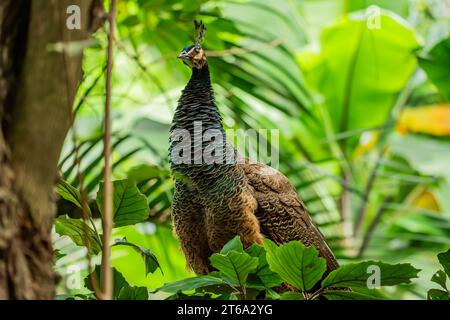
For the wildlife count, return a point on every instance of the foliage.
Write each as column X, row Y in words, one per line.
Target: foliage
column 440, row 278
column 293, row 264
column 363, row 124
column 128, row 209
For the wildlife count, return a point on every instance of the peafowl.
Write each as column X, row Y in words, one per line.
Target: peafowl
column 215, row 201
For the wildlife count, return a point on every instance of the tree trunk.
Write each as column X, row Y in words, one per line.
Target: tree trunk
column 38, row 82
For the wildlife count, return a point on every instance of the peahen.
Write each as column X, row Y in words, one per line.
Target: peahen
column 215, row 201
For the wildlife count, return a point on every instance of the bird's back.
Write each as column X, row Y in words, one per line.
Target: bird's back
column 280, row 212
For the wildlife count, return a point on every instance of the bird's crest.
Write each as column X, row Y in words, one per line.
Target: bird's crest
column 200, row 33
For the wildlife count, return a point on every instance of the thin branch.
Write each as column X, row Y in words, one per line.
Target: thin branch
column 370, row 183
column 373, row 224
column 107, row 279
column 137, row 59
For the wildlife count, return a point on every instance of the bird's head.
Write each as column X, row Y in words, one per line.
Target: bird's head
column 193, row 55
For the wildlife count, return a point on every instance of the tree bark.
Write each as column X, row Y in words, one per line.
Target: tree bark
column 38, row 83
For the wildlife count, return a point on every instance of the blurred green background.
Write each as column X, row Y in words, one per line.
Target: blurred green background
column 358, row 90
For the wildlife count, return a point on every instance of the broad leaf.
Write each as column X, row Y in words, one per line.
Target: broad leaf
column 75, row 229
column 68, row 192
column 133, row 293
column 146, row 172
column 347, row 295
column 440, row 278
column 234, row 265
column 357, row 274
column 130, row 205
column 191, row 284
column 234, row 244
column 436, row 294
column 267, row 278
column 444, row 260
column 119, row 281
column 437, row 66
column 292, row 296
column 150, row 260
column 355, row 66
column 299, row 266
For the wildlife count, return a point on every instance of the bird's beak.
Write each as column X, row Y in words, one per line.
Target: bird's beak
column 183, row 55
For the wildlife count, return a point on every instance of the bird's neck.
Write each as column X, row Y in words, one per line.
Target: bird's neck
column 197, row 103
column 197, row 116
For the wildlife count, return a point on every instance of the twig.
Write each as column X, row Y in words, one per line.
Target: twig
column 373, row 225
column 107, row 279
column 137, row 59
column 370, row 183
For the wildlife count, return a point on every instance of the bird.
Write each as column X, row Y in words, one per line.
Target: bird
column 214, row 201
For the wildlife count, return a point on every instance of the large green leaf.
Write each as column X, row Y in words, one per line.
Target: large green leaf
column 299, row 266
column 189, row 284
column 361, row 68
column 357, row 274
column 75, row 229
column 234, row 244
column 437, row 66
column 147, row 172
column 235, row 266
column 150, row 260
column 121, row 289
column 436, row 294
column 292, row 296
column 265, row 277
column 133, row 293
column 440, row 278
column 444, row 260
column 130, row 205
column 347, row 295
column 68, row 192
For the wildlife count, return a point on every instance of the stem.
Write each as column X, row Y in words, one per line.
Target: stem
column 370, row 183
column 107, row 279
column 372, row 226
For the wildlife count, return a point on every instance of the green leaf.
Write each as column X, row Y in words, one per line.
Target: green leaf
column 150, row 260
column 146, row 172
column 131, row 21
column 437, row 66
column 440, row 278
column 234, row 265
column 292, row 296
column 74, row 228
column 68, row 192
column 267, row 278
column 133, row 293
column 121, row 290
column 355, row 66
column 234, row 244
column 347, row 295
column 57, row 254
column 119, row 281
column 357, row 274
column 444, row 260
column 130, row 205
column 436, row 294
column 191, row 284
column 299, row 266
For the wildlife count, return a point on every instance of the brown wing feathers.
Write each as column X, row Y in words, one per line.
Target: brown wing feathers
column 281, row 213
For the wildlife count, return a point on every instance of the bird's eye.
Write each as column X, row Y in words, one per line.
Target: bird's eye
column 196, row 50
